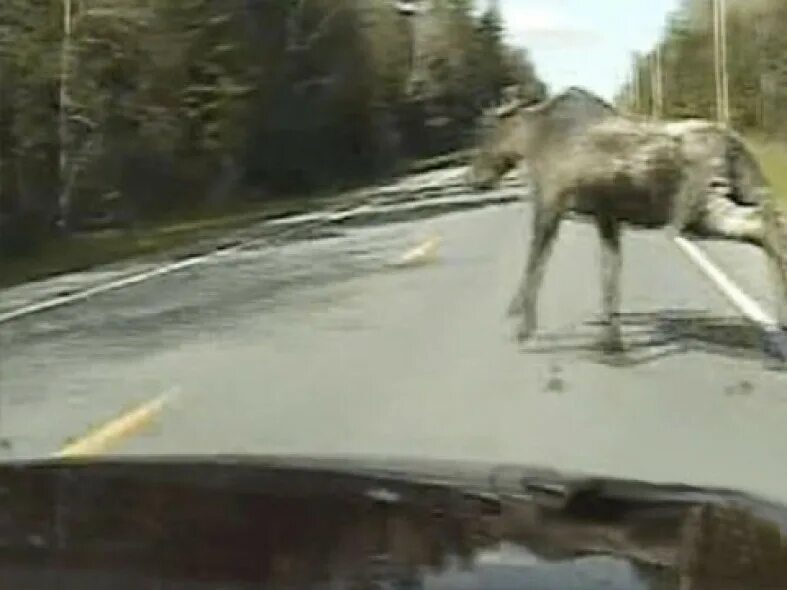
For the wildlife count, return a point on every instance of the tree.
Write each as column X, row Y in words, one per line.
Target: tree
column 159, row 106
column 28, row 146
column 757, row 64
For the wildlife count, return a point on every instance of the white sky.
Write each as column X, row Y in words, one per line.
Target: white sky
column 584, row 42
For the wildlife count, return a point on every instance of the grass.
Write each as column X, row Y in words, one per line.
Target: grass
column 88, row 250
column 772, row 156
column 92, row 249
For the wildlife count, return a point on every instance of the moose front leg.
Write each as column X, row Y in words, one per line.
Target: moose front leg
column 517, row 306
column 545, row 228
column 609, row 231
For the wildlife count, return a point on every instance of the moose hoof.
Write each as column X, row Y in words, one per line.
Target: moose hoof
column 525, row 331
column 612, row 345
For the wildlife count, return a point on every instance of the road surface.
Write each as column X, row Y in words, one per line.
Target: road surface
column 312, row 340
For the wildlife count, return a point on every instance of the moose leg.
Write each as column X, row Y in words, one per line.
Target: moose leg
column 778, row 265
column 609, row 230
column 775, row 246
column 762, row 226
column 725, row 219
column 545, row 229
column 517, row 305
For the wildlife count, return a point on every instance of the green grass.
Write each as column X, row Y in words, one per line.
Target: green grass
column 772, row 156
column 88, row 250
column 92, row 249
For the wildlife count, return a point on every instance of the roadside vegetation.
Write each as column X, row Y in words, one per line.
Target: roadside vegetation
column 85, row 250
column 148, row 124
column 757, row 70
column 757, row 67
column 772, row 154
column 142, row 113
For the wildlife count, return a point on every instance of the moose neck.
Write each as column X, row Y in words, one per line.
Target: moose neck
column 540, row 141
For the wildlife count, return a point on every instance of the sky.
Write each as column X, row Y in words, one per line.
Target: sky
column 584, row 42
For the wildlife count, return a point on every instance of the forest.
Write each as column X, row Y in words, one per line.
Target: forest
column 118, row 112
column 756, row 47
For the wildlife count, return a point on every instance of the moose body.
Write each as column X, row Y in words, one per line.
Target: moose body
column 582, row 156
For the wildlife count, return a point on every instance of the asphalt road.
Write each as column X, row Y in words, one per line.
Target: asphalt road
column 311, row 341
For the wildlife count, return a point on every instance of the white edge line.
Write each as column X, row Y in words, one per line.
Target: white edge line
column 741, row 300
column 189, row 262
column 745, row 304
column 419, row 253
column 121, row 283
column 111, row 286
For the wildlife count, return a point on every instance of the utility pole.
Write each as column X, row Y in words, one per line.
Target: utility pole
column 660, row 78
column 720, row 60
column 725, row 84
column 415, row 11
column 656, row 83
column 631, row 98
column 64, row 198
column 636, row 82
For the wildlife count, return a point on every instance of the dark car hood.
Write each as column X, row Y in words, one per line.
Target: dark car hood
column 244, row 522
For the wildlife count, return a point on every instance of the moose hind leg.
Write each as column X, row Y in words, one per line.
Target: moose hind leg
column 611, row 263
column 545, row 229
column 725, row 219
column 763, row 226
column 775, row 246
column 778, row 268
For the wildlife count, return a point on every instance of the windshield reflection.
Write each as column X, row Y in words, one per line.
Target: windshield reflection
column 240, row 526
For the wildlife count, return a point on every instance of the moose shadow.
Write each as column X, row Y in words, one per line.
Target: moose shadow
column 651, row 336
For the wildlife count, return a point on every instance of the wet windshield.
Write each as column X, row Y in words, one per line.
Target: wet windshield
column 430, row 229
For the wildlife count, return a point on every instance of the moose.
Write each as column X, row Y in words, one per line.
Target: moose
column 694, row 178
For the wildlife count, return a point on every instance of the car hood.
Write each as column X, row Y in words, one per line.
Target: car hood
column 290, row 522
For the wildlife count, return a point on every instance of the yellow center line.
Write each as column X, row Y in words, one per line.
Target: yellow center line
column 106, row 436
column 103, row 438
column 425, row 251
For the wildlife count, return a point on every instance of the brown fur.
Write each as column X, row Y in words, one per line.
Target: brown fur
column 695, row 177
